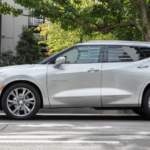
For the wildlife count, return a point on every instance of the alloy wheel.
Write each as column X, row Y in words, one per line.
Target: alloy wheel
column 21, row 101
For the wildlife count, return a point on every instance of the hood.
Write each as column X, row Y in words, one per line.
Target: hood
column 15, row 67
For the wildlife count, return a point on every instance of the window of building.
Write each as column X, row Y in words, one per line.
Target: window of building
column 40, row 37
column 33, row 21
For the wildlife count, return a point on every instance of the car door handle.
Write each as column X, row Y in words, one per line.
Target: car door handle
column 142, row 66
column 92, row 69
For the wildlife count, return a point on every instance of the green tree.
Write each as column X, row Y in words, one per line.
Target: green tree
column 8, row 9
column 130, row 34
column 28, row 48
column 59, row 39
column 94, row 15
column 8, row 58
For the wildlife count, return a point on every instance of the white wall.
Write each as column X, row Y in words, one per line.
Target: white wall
column 12, row 27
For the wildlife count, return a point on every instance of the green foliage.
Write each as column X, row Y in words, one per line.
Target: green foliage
column 59, row 39
column 28, row 48
column 8, row 9
column 8, row 58
column 92, row 15
column 27, row 51
column 130, row 34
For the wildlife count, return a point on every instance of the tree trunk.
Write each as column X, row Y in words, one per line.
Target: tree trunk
column 81, row 39
column 144, row 18
column 146, row 35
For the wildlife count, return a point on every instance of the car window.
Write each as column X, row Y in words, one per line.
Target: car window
column 123, row 54
column 145, row 51
column 71, row 56
column 84, row 54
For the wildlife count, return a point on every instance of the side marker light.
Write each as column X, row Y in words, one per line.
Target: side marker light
column 2, row 87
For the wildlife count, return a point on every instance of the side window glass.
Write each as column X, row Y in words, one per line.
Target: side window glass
column 71, row 56
column 145, row 51
column 123, row 54
column 84, row 54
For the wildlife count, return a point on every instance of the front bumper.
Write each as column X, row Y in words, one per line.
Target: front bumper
column 1, row 84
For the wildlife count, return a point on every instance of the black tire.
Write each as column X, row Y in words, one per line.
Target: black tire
column 36, row 104
column 146, row 103
column 139, row 111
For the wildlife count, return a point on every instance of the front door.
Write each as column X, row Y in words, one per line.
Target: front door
column 77, row 82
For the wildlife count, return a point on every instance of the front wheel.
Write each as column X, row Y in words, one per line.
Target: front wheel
column 21, row 101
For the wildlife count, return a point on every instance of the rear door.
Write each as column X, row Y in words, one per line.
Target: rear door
column 125, row 70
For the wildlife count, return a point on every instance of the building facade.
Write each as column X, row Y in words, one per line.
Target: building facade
column 11, row 27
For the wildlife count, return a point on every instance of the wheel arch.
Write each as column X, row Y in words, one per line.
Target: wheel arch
column 21, row 81
column 143, row 93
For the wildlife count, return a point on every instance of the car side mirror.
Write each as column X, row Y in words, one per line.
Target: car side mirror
column 59, row 61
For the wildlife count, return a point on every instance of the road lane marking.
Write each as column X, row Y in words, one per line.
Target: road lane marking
column 28, row 137
column 45, row 147
column 59, row 142
column 60, row 125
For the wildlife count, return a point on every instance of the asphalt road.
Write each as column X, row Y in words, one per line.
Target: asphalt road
column 75, row 131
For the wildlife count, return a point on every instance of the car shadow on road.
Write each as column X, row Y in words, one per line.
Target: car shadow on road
column 91, row 117
column 85, row 117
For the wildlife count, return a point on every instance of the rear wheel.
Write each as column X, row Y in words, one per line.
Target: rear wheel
column 139, row 111
column 146, row 103
column 21, row 101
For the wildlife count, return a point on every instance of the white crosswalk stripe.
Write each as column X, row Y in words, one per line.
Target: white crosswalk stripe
column 59, row 142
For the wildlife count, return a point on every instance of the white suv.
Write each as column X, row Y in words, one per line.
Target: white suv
column 98, row 74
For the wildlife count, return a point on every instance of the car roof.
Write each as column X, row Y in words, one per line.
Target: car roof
column 115, row 42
